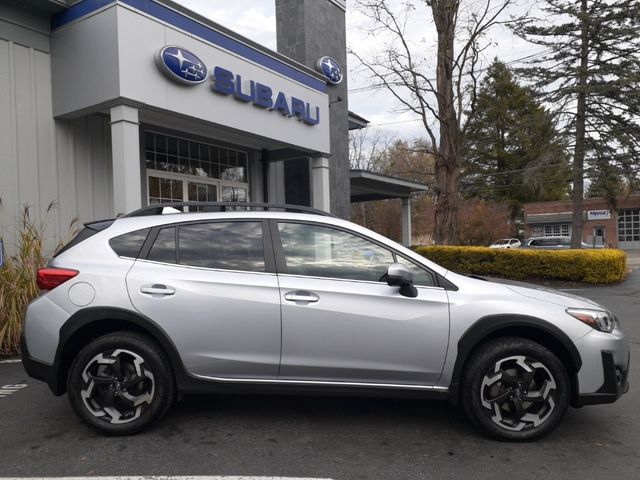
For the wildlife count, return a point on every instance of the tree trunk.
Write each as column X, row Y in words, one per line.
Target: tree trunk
column 447, row 168
column 577, row 221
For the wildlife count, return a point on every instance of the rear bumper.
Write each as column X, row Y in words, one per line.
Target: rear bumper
column 616, row 382
column 40, row 370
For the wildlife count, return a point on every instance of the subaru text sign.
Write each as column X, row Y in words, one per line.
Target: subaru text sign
column 263, row 96
column 181, row 65
column 331, row 69
column 185, row 67
column 598, row 214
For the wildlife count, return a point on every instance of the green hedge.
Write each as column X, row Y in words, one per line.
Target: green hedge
column 590, row 266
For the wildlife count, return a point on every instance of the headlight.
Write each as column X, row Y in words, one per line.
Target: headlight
column 598, row 319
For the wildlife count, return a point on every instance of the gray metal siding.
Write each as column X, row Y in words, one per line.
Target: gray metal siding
column 42, row 160
column 26, row 135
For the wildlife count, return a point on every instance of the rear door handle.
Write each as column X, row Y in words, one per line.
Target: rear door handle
column 301, row 296
column 157, row 290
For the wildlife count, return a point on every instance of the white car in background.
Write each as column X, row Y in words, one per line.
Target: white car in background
column 506, row 243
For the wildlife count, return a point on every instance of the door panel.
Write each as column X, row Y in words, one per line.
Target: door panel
column 340, row 323
column 207, row 284
column 223, row 323
column 362, row 332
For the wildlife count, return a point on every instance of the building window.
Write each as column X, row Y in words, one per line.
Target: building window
column 629, row 225
column 553, row 230
column 181, row 170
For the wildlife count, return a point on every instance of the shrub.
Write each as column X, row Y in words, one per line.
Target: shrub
column 590, row 266
column 18, row 278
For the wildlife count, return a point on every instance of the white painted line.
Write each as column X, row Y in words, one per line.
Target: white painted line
column 7, row 390
column 11, row 360
column 165, row 478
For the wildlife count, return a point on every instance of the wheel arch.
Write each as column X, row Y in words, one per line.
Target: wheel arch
column 90, row 323
column 532, row 328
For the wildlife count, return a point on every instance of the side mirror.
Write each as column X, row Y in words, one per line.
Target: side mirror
column 399, row 276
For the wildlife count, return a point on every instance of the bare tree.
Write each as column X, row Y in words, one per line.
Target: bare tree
column 368, row 148
column 444, row 103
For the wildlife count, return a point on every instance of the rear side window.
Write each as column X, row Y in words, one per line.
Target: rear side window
column 129, row 244
column 223, row 245
column 164, row 246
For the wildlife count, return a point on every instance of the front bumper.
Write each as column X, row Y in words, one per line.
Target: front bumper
column 616, row 382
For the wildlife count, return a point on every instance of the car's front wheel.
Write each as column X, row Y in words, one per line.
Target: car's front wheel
column 515, row 389
column 120, row 383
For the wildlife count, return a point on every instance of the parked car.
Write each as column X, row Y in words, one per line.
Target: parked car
column 506, row 243
column 141, row 309
column 553, row 243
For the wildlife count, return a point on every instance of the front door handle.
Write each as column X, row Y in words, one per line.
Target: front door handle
column 301, row 296
column 157, row 290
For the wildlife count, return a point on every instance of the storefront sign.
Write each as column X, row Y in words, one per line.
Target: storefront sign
column 185, row 67
column 598, row 214
column 263, row 96
column 181, row 65
column 330, row 69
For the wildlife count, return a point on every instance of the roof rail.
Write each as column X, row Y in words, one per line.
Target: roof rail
column 191, row 207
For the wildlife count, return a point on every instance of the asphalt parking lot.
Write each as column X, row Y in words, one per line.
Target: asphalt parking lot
column 318, row 437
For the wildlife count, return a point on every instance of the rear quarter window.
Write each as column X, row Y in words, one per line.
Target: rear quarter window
column 129, row 244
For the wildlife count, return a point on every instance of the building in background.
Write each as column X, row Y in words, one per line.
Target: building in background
column 617, row 227
column 108, row 105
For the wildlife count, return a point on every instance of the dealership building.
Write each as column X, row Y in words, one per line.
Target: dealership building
column 109, row 105
column 616, row 226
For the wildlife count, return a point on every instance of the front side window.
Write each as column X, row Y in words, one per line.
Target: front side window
column 319, row 251
column 222, row 245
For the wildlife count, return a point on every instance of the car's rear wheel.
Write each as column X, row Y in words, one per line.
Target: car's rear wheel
column 515, row 389
column 120, row 383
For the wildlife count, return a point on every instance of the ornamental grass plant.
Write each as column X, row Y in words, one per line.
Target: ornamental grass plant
column 18, row 276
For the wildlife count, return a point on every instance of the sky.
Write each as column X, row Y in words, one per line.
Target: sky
column 255, row 19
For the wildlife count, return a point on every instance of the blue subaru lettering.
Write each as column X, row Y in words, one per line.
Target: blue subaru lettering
column 240, row 95
column 181, row 65
column 297, row 108
column 222, row 81
column 281, row 104
column 308, row 119
column 263, row 96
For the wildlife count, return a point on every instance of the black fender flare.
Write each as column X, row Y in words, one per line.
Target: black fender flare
column 95, row 320
column 493, row 325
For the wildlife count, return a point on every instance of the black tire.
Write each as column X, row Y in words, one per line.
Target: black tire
column 120, row 383
column 515, row 389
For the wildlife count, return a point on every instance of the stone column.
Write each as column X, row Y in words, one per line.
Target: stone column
column 320, row 183
column 406, row 221
column 306, row 31
column 125, row 148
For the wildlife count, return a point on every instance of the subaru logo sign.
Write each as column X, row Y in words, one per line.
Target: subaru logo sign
column 181, row 65
column 330, row 69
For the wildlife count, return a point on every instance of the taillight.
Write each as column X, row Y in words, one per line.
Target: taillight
column 50, row 278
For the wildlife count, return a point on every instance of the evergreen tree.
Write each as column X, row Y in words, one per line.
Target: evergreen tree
column 591, row 74
column 512, row 149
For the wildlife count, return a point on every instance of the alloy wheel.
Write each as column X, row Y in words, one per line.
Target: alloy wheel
column 118, row 386
column 519, row 393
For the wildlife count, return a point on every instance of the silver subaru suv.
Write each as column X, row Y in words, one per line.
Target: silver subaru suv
column 140, row 310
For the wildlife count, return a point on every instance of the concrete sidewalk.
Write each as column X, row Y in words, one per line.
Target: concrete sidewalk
column 633, row 258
